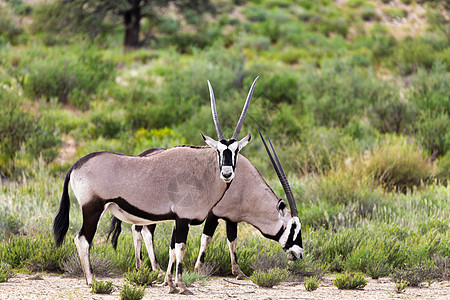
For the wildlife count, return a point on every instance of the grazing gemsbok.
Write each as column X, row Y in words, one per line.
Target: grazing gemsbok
column 249, row 199
column 181, row 184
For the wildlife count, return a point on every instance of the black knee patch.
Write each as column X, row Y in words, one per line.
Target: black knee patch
column 202, row 257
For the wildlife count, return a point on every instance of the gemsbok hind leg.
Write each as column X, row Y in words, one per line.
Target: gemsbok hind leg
column 91, row 216
column 137, row 239
column 146, row 233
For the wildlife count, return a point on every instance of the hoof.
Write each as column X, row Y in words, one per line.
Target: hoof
column 186, row 292
column 240, row 277
column 173, row 290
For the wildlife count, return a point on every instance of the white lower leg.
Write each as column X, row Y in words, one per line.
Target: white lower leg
column 137, row 239
column 234, row 265
column 206, row 239
column 148, row 240
column 168, row 278
column 180, row 249
column 83, row 248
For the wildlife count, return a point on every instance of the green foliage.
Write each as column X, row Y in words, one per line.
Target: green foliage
column 414, row 275
column 398, row 165
column 36, row 253
column 142, row 277
column 68, row 78
column 10, row 29
column 131, row 292
column 269, row 278
column 412, row 54
column 190, row 277
column 102, row 287
column 400, row 286
column 348, row 281
column 312, row 283
column 5, row 272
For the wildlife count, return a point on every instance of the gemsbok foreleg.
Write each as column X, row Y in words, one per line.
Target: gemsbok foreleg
column 91, row 216
column 208, row 231
column 231, row 239
column 176, row 255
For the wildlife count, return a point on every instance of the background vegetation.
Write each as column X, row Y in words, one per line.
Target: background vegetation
column 355, row 94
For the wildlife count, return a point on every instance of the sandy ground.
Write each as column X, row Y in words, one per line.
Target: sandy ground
column 48, row 286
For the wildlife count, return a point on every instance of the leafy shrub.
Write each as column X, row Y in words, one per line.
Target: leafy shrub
column 36, row 253
column 10, row 30
column 270, row 277
column 100, row 265
column 348, row 281
column 312, row 283
column 142, row 277
column 412, row 54
column 5, row 272
column 414, row 275
column 10, row 222
column 365, row 259
column 102, row 287
column 398, row 165
column 67, row 77
column 279, row 87
column 131, row 292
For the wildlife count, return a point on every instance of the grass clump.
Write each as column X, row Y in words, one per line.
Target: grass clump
column 190, row 277
column 270, row 277
column 5, row 272
column 131, row 292
column 350, row 281
column 312, row 283
column 399, row 165
column 144, row 276
column 102, row 287
column 400, row 286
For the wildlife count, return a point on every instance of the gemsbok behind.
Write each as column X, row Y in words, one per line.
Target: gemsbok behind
column 181, row 184
column 249, row 199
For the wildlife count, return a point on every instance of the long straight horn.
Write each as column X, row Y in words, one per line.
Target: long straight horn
column 214, row 113
column 244, row 111
column 281, row 175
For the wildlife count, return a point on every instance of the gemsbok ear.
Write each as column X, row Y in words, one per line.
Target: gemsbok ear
column 210, row 141
column 244, row 141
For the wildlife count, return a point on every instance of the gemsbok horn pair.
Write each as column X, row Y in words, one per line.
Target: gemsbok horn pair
column 249, row 199
column 181, row 184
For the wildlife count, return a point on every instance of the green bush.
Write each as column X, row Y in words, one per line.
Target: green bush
column 142, row 277
column 398, row 165
column 69, row 78
column 102, row 287
column 5, row 272
column 411, row 54
column 10, row 30
column 312, row 283
column 270, row 277
column 35, row 253
column 348, row 281
column 131, row 292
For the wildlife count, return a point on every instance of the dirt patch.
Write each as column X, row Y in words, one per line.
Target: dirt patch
column 48, row 286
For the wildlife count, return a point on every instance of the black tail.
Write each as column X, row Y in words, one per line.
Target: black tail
column 115, row 228
column 61, row 222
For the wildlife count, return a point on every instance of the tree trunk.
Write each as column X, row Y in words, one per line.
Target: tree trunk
column 131, row 19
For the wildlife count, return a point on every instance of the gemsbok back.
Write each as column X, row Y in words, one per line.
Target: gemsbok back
column 249, row 199
column 181, row 184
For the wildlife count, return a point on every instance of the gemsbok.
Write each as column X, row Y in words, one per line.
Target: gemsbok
column 182, row 184
column 249, row 199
